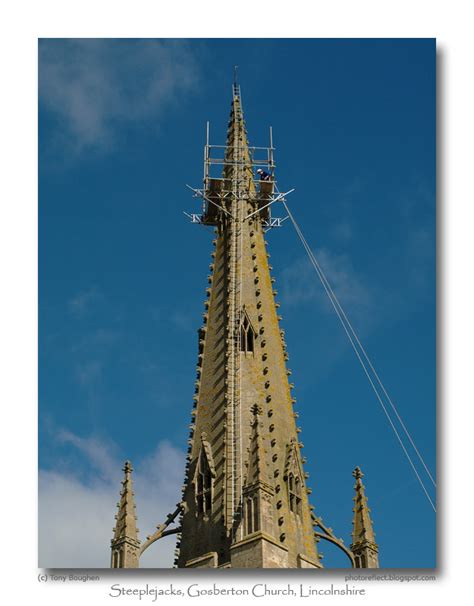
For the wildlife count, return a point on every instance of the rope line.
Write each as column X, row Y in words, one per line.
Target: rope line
column 323, row 277
column 375, row 372
column 345, row 323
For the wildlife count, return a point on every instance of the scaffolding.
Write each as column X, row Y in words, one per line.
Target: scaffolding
column 218, row 191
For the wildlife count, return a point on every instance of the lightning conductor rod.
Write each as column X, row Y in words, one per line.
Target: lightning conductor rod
column 271, row 150
column 206, row 156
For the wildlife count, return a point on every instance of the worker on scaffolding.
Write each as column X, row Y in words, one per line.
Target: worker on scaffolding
column 264, row 176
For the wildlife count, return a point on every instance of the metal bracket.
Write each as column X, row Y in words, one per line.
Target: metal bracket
column 198, row 193
column 274, row 222
column 195, row 218
column 280, row 196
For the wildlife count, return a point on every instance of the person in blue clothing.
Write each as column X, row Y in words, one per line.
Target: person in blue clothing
column 263, row 175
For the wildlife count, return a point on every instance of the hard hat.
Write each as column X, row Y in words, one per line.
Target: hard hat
column 259, row 170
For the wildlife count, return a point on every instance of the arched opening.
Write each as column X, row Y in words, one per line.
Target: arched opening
column 247, row 336
column 203, row 485
column 294, row 494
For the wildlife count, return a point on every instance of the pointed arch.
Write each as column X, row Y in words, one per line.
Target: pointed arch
column 294, row 479
column 251, row 513
column 247, row 333
column 204, row 477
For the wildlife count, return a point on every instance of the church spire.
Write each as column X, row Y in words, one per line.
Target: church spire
column 245, row 512
column 125, row 544
column 245, row 496
column 364, row 547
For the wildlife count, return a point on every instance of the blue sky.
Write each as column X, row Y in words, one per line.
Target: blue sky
column 123, row 273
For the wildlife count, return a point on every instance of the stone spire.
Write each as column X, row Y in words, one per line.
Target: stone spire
column 125, row 544
column 242, row 362
column 364, row 547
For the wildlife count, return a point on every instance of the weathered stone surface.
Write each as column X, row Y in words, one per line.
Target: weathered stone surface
column 208, row 560
column 304, row 562
column 243, row 403
column 258, row 551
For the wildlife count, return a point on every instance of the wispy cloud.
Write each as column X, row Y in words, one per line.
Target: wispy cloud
column 99, row 455
column 99, row 339
column 91, row 86
column 301, row 283
column 182, row 320
column 76, row 513
column 88, row 373
column 80, row 304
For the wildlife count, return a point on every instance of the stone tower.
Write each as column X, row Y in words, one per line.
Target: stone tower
column 363, row 546
column 245, row 502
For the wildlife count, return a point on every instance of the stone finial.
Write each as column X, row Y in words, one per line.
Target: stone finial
column 364, row 547
column 125, row 543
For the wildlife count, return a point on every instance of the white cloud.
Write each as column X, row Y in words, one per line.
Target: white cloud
column 100, row 455
column 75, row 522
column 93, row 85
column 344, row 280
column 301, row 283
column 76, row 515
